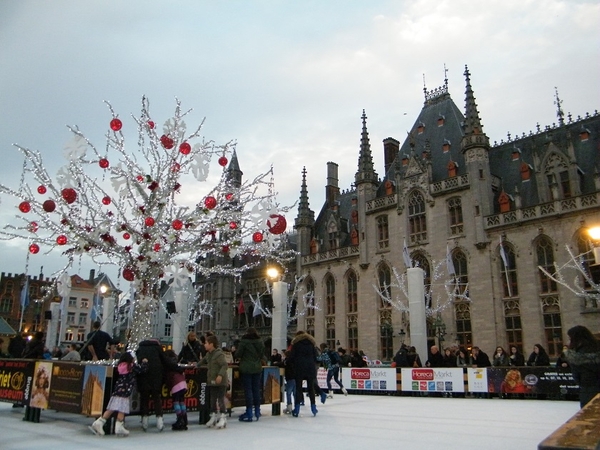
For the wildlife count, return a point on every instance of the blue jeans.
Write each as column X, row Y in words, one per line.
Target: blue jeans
column 251, row 383
column 334, row 373
column 290, row 389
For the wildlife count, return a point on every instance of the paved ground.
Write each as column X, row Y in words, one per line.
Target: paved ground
column 352, row 422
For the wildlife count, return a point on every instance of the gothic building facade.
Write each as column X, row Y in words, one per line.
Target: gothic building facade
column 497, row 212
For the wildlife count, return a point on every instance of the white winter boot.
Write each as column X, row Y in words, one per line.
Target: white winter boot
column 344, row 391
column 289, row 408
column 145, row 423
column 213, row 420
column 98, row 426
column 120, row 429
column 160, row 424
column 222, row 423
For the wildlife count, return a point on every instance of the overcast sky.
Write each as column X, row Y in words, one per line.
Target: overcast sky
column 287, row 80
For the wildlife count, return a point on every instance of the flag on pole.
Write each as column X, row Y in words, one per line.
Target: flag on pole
column 406, row 256
column 503, row 255
column 449, row 263
column 257, row 311
column 25, row 294
column 241, row 309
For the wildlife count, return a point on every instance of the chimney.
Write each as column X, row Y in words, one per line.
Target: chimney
column 332, row 190
column 92, row 275
column 390, row 150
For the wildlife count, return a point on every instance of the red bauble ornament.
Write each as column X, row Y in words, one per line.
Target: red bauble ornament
column 156, row 247
column 24, row 207
column 150, row 124
column 61, row 240
column 69, row 194
column 276, row 223
column 185, row 148
column 229, row 196
column 233, row 225
column 257, row 237
column 149, row 221
column 106, row 200
column 41, row 189
column 116, row 124
column 175, row 167
column 33, row 227
column 167, row 142
column 177, row 224
column 34, row 248
column 49, row 206
column 225, row 249
column 210, row 202
column 128, row 274
column 223, row 161
column 126, row 236
column 140, row 178
column 103, row 163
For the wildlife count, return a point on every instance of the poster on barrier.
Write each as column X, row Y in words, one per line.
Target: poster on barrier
column 477, row 379
column 369, row 379
column 15, row 374
column 67, row 385
column 271, row 385
column 430, row 379
column 531, row 380
column 95, row 384
column 40, row 388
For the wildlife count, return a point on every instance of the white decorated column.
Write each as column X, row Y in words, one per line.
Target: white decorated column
column 179, row 318
column 108, row 314
column 52, row 327
column 416, row 301
column 280, row 316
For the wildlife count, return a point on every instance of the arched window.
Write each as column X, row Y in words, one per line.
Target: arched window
column 459, row 260
column 417, row 219
column 383, row 234
column 455, row 216
column 384, row 279
column 508, row 270
column 585, row 249
column 310, row 297
column 545, row 259
column 464, row 334
column 352, row 292
column 557, row 174
column 329, row 295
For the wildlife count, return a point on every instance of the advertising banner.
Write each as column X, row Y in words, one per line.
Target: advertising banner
column 97, row 384
column 40, row 388
column 369, row 379
column 14, row 375
column 477, row 379
column 271, row 385
column 67, row 386
column 430, row 379
column 531, row 380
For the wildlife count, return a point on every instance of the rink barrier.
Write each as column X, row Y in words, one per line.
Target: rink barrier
column 582, row 431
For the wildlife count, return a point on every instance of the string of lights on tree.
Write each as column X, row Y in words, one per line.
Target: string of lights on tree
column 118, row 205
column 435, row 300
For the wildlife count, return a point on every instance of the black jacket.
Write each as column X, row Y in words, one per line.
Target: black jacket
column 304, row 357
column 158, row 365
column 585, row 366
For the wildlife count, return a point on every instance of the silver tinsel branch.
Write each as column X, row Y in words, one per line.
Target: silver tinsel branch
column 435, row 300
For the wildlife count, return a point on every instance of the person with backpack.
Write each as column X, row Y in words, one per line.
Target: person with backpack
column 331, row 361
column 401, row 357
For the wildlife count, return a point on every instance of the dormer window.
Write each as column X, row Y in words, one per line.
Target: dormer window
column 584, row 135
column 389, row 187
column 420, row 128
column 452, row 168
column 354, row 237
column 525, row 171
column 446, row 146
column 504, row 201
column 405, row 160
column 441, row 120
column 314, row 247
column 354, row 216
column 425, row 154
column 516, row 154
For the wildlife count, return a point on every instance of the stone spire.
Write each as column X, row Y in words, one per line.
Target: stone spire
column 366, row 172
column 559, row 111
column 306, row 217
column 473, row 130
column 234, row 174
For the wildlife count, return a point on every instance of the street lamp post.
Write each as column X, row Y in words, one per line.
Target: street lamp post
column 279, row 313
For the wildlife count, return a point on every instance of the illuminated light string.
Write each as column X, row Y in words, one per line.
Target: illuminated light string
column 119, row 206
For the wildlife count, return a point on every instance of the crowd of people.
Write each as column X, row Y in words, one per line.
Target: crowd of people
column 151, row 366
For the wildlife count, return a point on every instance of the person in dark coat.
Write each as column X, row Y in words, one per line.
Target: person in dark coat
column 250, row 353
column 16, row 346
column 414, row 360
column 303, row 355
column 479, row 358
column 538, row 357
column 150, row 383
column 435, row 357
column 516, row 358
column 191, row 351
column 584, row 357
column 98, row 342
column 34, row 349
